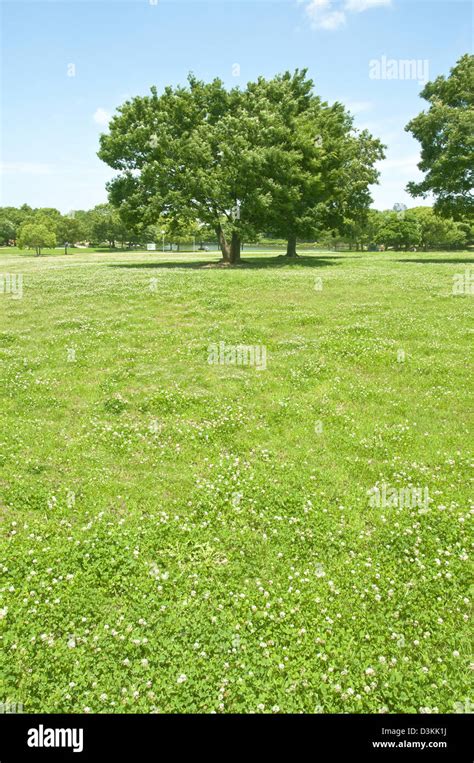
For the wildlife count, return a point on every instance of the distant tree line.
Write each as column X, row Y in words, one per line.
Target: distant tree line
column 404, row 229
column 46, row 228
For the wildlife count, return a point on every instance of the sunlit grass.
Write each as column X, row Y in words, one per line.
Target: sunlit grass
column 180, row 536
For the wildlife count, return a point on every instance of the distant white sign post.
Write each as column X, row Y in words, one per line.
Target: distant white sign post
column 151, row 247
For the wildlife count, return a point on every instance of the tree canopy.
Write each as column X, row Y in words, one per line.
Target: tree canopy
column 446, row 134
column 36, row 235
column 271, row 157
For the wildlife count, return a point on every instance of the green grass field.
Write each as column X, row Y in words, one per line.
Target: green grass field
column 185, row 537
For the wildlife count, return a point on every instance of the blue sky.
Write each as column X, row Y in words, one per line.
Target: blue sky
column 67, row 65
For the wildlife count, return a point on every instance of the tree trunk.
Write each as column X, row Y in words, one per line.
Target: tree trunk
column 223, row 245
column 235, row 247
column 291, row 246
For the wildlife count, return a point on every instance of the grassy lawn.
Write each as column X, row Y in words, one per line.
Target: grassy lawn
column 185, row 537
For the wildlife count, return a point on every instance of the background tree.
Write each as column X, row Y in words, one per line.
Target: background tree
column 7, row 230
column 359, row 232
column 446, row 134
column 15, row 216
column 437, row 232
column 106, row 225
column 69, row 231
column 397, row 230
column 36, row 235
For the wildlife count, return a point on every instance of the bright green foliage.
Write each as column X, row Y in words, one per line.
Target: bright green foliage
column 396, row 229
column 191, row 152
column 446, row 134
column 436, row 232
column 272, row 157
column 7, row 229
column 11, row 218
column 69, row 230
column 37, row 236
column 322, row 166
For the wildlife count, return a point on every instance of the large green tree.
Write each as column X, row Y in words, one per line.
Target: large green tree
column 271, row 157
column 446, row 134
column 190, row 152
column 319, row 167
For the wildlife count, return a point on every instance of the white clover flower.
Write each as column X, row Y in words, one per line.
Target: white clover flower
column 182, row 678
column 3, row 612
column 71, row 643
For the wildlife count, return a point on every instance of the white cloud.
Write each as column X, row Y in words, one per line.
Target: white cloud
column 25, row 168
column 101, row 116
column 357, row 6
column 324, row 14
column 333, row 20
